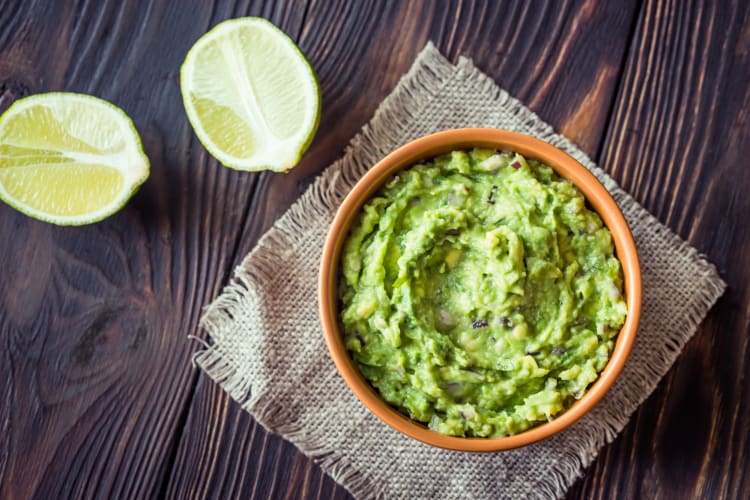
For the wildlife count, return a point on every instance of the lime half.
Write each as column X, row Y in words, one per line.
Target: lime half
column 69, row 159
column 251, row 95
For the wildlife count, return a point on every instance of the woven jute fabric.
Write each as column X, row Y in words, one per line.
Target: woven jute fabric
column 266, row 348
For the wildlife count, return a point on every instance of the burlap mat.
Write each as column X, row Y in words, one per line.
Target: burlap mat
column 268, row 351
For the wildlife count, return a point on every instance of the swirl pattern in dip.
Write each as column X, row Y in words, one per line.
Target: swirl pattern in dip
column 479, row 294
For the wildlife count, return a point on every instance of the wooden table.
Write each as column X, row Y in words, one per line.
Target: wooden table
column 98, row 397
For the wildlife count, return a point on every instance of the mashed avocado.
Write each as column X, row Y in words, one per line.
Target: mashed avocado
column 479, row 294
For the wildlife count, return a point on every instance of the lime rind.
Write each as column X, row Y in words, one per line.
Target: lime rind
column 300, row 143
column 135, row 157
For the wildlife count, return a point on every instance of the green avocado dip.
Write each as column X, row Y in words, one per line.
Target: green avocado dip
column 478, row 293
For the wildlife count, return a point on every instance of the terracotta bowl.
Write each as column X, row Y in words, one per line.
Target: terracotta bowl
column 427, row 147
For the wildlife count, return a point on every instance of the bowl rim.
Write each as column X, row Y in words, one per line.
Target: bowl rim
column 430, row 146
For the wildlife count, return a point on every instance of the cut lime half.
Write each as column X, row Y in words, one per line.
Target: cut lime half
column 69, row 159
column 251, row 95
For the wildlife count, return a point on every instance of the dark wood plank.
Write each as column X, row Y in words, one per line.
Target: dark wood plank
column 95, row 367
column 360, row 49
column 679, row 142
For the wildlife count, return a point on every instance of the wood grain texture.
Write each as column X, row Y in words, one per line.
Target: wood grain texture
column 97, row 394
column 528, row 49
column 679, row 140
column 95, row 361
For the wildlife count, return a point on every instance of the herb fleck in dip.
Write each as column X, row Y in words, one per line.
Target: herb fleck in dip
column 479, row 294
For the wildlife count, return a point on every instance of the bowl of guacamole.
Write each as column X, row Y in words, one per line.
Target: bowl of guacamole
column 479, row 290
